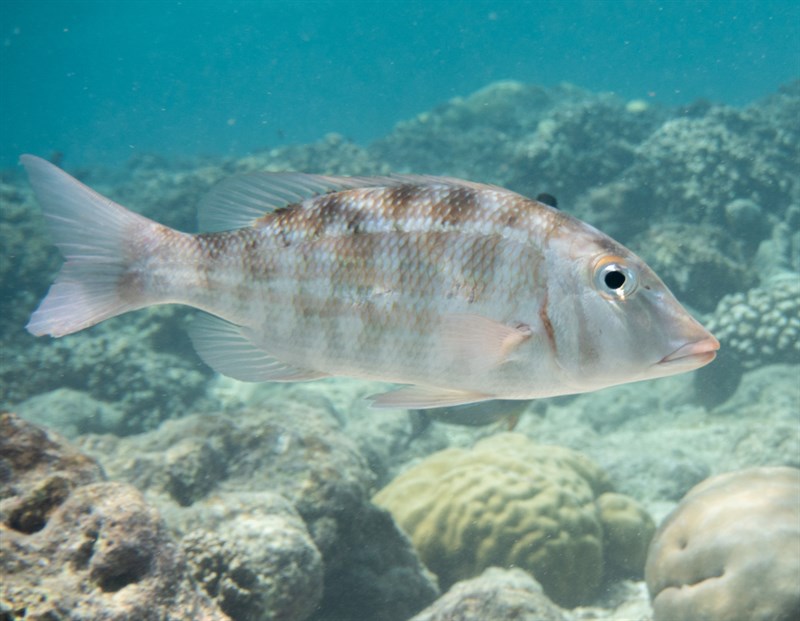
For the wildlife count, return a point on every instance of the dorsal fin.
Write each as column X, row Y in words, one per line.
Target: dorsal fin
column 238, row 201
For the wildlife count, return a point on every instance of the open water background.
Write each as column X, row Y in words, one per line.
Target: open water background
column 99, row 81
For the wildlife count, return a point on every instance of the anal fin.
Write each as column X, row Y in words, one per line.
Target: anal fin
column 424, row 397
column 227, row 349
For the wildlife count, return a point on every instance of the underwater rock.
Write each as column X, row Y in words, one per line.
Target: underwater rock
column 495, row 594
column 531, row 139
column 143, row 364
column 730, row 551
column 253, row 556
column 379, row 575
column 510, row 502
column 466, row 136
column 288, row 448
column 700, row 263
column 581, row 143
column 38, row 471
column 76, row 547
column 299, row 452
column 332, row 155
column 627, row 531
column 780, row 252
column 71, row 412
column 183, row 460
column 28, row 256
column 690, row 168
column 104, row 554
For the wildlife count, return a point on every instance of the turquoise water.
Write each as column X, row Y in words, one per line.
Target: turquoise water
column 98, row 81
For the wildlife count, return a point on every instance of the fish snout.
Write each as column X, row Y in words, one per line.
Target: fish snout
column 693, row 354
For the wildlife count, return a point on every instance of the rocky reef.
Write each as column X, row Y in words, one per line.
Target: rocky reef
column 75, row 546
column 208, row 499
column 225, row 482
column 495, row 594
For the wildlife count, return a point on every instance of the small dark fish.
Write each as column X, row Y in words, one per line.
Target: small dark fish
column 547, row 199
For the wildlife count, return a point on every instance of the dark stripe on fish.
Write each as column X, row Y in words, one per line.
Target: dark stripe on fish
column 548, row 326
column 459, row 205
column 397, row 198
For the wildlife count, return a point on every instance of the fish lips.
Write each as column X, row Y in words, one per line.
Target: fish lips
column 691, row 355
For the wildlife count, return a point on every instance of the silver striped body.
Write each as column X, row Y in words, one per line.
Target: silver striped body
column 466, row 292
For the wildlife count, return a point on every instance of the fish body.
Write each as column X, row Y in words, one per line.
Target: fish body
column 462, row 291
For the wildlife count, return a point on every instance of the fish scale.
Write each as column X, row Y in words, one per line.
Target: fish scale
column 464, row 292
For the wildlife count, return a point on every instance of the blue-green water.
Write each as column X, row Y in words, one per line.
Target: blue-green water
column 99, row 81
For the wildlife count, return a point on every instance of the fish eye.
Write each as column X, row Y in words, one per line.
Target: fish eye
column 614, row 278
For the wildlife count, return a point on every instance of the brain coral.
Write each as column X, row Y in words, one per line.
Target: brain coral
column 730, row 551
column 510, row 502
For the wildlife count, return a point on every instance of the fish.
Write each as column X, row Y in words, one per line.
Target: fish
column 459, row 292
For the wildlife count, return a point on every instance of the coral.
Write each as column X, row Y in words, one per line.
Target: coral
column 333, row 155
column 532, row 139
column 27, row 254
column 252, row 554
column 296, row 451
column 37, row 473
column 780, row 252
column 758, row 327
column 76, row 547
column 71, row 412
column 692, row 167
column 579, row 144
column 142, row 363
column 761, row 326
column 510, row 502
column 730, row 551
column 465, row 135
column 495, row 594
column 627, row 531
column 699, row 262
column 701, row 166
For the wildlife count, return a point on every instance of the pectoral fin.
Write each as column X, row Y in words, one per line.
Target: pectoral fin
column 480, row 342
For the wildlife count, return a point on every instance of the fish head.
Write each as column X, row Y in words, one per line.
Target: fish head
column 615, row 320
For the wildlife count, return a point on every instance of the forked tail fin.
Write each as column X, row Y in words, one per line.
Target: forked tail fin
column 98, row 240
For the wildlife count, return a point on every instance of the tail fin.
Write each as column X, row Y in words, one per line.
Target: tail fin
column 95, row 235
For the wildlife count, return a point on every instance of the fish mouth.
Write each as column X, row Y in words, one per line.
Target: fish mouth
column 694, row 354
